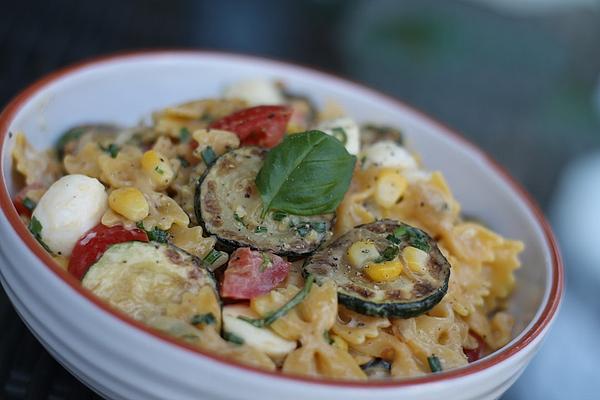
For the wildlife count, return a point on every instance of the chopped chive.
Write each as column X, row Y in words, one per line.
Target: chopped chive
column 283, row 310
column 278, row 215
column 340, row 134
column 233, row 338
column 415, row 237
column 319, row 227
column 266, row 262
column 159, row 170
column 388, row 254
column 35, row 227
column 327, row 337
column 435, row 365
column 184, row 162
column 111, row 149
column 29, row 204
column 68, row 136
column 184, row 134
column 212, row 257
column 208, row 155
column 239, row 219
column 260, row 229
column 203, row 319
column 155, row 234
column 303, row 229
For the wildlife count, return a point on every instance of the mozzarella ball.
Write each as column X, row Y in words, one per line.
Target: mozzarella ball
column 344, row 129
column 72, row 206
column 255, row 92
column 388, row 154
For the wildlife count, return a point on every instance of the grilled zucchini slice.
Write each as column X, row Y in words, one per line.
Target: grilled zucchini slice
column 141, row 279
column 414, row 292
column 228, row 205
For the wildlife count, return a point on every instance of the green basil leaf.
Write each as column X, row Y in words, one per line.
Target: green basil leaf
column 308, row 173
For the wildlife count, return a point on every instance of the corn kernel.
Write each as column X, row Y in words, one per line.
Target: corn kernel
column 362, row 252
column 385, row 271
column 157, row 167
column 129, row 202
column 339, row 342
column 415, row 259
column 390, row 187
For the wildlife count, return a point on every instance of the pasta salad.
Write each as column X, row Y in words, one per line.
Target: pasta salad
column 259, row 227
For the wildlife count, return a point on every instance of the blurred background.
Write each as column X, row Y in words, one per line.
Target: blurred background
column 520, row 78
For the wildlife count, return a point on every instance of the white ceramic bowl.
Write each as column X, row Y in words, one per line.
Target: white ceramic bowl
column 122, row 359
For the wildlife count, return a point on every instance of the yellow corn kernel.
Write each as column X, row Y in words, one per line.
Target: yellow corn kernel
column 158, row 168
column 385, row 271
column 362, row 252
column 339, row 342
column 391, row 185
column 415, row 259
column 129, row 202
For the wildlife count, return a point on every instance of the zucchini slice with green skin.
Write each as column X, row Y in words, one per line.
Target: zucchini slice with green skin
column 407, row 296
column 228, row 205
column 141, row 279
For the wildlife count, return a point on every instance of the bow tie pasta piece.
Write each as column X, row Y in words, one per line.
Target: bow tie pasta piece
column 308, row 323
column 355, row 328
column 208, row 339
column 440, row 334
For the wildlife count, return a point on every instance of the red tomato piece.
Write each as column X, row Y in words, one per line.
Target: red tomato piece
column 18, row 201
column 251, row 273
column 476, row 353
column 94, row 243
column 257, row 126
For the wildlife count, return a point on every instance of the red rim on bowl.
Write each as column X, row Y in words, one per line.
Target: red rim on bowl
column 10, row 212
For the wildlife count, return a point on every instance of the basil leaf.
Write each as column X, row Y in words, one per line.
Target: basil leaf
column 308, row 173
column 35, row 227
column 29, row 204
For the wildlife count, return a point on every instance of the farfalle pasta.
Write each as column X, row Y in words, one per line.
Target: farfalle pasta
column 329, row 253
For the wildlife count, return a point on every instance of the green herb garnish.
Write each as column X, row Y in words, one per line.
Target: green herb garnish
column 319, row 227
column 208, row 155
column 303, row 229
column 327, row 337
column 266, row 262
column 308, row 173
column 35, row 227
column 284, row 309
column 415, row 237
column 233, row 338
column 203, row 319
column 111, row 149
column 239, row 219
column 155, row 234
column 184, row 134
column 435, row 364
column 260, row 229
column 212, row 257
column 340, row 134
column 184, row 162
column 388, row 254
column 68, row 136
column 278, row 215
column 29, row 204
column 159, row 170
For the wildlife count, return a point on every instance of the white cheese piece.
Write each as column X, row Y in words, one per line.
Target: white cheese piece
column 346, row 130
column 72, row 206
column 260, row 338
column 255, row 92
column 388, row 154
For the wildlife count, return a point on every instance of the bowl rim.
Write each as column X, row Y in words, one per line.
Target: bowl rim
column 6, row 204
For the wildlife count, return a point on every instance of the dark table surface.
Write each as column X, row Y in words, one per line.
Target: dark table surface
column 520, row 85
